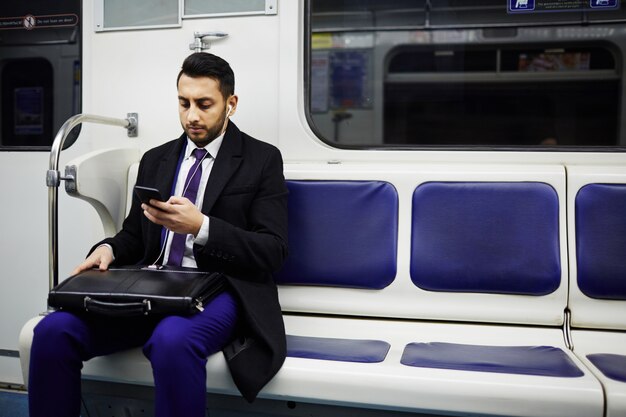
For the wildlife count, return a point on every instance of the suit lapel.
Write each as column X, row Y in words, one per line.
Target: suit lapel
column 167, row 167
column 228, row 160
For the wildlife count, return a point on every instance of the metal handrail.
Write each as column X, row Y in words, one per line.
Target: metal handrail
column 53, row 179
column 202, row 40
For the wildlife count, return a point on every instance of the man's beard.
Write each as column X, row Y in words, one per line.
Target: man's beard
column 211, row 134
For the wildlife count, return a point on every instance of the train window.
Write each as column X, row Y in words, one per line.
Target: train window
column 208, row 8
column 136, row 14
column 446, row 73
column 40, row 66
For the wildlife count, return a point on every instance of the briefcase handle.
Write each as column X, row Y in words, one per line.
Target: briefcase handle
column 140, row 308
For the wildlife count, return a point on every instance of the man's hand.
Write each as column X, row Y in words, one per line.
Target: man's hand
column 177, row 214
column 101, row 257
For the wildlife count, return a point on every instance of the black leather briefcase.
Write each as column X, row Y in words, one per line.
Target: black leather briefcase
column 132, row 291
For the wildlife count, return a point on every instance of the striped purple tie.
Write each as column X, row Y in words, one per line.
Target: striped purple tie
column 177, row 249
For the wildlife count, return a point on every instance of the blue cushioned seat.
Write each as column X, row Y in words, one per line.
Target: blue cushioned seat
column 341, row 233
column 601, row 240
column 346, row 350
column 524, row 360
column 486, row 237
column 611, row 365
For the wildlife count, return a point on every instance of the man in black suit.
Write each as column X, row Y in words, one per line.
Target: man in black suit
column 237, row 224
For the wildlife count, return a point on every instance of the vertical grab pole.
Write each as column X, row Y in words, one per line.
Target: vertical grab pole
column 53, row 180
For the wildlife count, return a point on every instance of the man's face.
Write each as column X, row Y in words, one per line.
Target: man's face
column 201, row 108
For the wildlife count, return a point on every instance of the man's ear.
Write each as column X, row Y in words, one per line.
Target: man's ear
column 232, row 105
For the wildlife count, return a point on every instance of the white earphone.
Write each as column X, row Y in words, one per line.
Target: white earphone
column 230, row 109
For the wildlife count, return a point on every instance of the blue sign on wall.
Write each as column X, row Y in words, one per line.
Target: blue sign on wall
column 521, row 5
column 603, row 4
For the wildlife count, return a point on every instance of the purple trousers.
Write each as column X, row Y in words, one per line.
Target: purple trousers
column 176, row 346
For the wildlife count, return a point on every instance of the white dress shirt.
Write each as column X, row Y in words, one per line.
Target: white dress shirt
column 207, row 165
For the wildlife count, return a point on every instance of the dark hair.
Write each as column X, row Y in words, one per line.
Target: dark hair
column 204, row 64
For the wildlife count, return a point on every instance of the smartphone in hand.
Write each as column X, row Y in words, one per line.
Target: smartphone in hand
column 146, row 194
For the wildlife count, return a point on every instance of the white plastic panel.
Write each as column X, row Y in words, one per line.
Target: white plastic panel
column 589, row 312
column 133, row 170
column 588, row 342
column 102, row 179
column 26, row 340
column 402, row 298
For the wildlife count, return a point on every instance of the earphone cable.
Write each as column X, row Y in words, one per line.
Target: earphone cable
column 167, row 231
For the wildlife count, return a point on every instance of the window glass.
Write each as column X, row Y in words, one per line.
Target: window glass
column 452, row 73
column 136, row 14
column 40, row 63
column 198, row 8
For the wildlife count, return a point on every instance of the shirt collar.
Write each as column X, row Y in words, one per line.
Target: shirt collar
column 213, row 147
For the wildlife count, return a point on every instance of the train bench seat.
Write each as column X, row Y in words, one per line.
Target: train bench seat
column 478, row 251
column 439, row 290
column 598, row 276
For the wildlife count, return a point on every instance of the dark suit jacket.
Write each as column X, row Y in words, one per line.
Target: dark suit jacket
column 246, row 201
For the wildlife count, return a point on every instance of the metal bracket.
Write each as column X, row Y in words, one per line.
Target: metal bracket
column 202, row 40
column 54, row 178
column 567, row 329
column 271, row 7
column 133, row 124
column 70, row 179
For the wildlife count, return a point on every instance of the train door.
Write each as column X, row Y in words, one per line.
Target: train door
column 40, row 68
